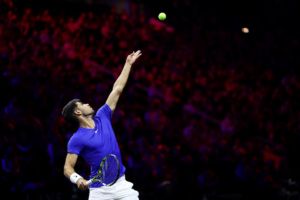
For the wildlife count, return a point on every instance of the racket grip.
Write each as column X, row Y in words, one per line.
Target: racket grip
column 89, row 182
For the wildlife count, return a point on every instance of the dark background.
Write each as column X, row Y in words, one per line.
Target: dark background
column 209, row 112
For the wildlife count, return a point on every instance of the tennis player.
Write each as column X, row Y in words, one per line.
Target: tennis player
column 95, row 138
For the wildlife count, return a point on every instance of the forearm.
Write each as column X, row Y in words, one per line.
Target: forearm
column 68, row 171
column 121, row 80
column 123, row 77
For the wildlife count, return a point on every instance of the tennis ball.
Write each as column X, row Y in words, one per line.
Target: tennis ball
column 162, row 16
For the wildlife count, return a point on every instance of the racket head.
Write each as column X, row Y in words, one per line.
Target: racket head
column 109, row 170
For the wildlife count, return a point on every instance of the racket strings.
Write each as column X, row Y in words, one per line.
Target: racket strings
column 110, row 170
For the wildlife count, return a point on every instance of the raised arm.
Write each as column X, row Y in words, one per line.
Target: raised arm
column 121, row 81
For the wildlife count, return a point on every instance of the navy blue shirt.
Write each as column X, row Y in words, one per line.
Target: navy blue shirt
column 94, row 144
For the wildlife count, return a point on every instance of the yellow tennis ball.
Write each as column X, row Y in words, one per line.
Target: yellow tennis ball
column 162, row 16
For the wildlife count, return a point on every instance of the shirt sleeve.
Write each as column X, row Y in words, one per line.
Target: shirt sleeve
column 104, row 111
column 75, row 145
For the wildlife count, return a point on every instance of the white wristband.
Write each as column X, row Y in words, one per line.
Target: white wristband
column 74, row 177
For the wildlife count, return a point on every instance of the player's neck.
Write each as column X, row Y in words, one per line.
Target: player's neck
column 87, row 122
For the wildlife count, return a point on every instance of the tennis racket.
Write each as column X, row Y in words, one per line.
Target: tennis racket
column 109, row 171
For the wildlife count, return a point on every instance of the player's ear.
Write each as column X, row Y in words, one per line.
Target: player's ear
column 77, row 111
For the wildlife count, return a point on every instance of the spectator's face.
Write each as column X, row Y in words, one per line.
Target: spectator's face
column 84, row 109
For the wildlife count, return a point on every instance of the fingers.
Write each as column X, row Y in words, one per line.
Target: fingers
column 138, row 52
column 82, row 184
column 131, row 58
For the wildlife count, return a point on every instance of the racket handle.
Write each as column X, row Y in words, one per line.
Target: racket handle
column 89, row 182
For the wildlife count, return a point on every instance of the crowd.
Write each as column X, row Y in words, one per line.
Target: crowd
column 207, row 112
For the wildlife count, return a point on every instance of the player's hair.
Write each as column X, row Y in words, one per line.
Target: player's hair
column 68, row 110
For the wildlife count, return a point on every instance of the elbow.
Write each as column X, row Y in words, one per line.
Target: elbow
column 118, row 89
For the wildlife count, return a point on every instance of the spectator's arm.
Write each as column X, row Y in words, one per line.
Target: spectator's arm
column 121, row 81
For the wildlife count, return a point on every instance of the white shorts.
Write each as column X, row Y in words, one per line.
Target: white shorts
column 121, row 190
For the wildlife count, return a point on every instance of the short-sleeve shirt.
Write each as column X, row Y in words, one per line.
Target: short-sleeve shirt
column 94, row 144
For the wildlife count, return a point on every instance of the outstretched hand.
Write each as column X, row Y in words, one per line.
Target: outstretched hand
column 131, row 58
